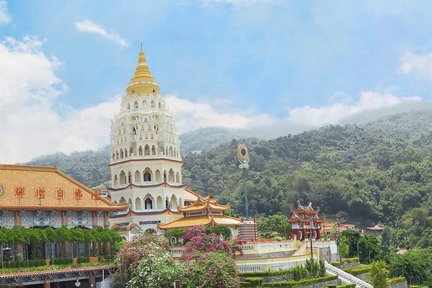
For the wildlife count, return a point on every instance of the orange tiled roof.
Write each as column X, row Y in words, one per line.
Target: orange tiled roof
column 204, row 203
column 47, row 188
column 201, row 220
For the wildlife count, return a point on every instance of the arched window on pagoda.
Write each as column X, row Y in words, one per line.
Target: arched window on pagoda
column 115, row 180
column 153, row 149
column 129, row 177
column 122, row 178
column 177, row 177
column 173, row 202
column 159, row 202
column 137, row 176
column 147, row 175
column 148, row 203
column 138, row 205
column 140, row 151
column 171, row 175
column 147, row 150
column 157, row 175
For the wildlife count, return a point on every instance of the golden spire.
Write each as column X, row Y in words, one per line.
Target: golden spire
column 142, row 82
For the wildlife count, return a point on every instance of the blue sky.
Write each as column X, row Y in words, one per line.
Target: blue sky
column 309, row 62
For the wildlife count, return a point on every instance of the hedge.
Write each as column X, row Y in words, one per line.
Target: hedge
column 266, row 273
column 21, row 235
column 19, row 264
column 301, row 283
column 395, row 280
column 360, row 269
column 251, row 282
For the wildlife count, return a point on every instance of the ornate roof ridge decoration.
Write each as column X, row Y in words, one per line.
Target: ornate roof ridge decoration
column 60, row 191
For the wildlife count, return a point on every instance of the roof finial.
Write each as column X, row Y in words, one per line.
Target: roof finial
column 141, row 46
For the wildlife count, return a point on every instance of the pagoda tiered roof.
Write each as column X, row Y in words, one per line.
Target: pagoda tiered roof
column 47, row 188
column 205, row 203
column 205, row 220
column 303, row 213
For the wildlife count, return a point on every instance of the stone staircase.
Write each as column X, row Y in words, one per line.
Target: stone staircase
column 345, row 277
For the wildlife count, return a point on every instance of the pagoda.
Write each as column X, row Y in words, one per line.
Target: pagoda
column 305, row 222
column 146, row 164
column 205, row 211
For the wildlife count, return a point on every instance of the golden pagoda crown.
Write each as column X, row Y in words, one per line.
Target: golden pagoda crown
column 142, row 81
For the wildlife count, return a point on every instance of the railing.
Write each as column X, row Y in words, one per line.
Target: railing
column 345, row 277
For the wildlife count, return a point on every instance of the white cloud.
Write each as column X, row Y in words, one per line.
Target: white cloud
column 421, row 64
column 90, row 27
column 369, row 100
column 31, row 122
column 190, row 115
column 4, row 14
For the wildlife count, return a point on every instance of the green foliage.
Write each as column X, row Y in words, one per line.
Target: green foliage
column 275, row 223
column 379, row 274
column 312, row 267
column 299, row 272
column 415, row 266
column 62, row 261
column 220, row 230
column 174, row 233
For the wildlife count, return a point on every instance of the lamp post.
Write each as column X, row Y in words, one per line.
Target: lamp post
column 243, row 158
column 311, row 225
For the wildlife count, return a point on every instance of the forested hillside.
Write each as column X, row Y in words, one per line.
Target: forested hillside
column 88, row 167
column 377, row 172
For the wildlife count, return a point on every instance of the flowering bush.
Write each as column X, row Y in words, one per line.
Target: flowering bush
column 133, row 252
column 156, row 270
column 198, row 241
column 214, row 270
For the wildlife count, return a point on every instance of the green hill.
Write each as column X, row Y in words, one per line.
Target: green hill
column 377, row 172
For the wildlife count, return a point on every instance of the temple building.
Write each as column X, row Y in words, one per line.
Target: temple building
column 207, row 212
column 305, row 221
column 41, row 198
column 146, row 164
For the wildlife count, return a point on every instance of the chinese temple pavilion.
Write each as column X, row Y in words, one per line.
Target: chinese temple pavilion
column 42, row 198
column 205, row 211
column 305, row 222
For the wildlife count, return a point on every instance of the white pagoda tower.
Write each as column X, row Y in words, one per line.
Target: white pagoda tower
column 146, row 165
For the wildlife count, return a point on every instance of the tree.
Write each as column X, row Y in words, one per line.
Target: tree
column 368, row 248
column 351, row 238
column 379, row 274
column 274, row 223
